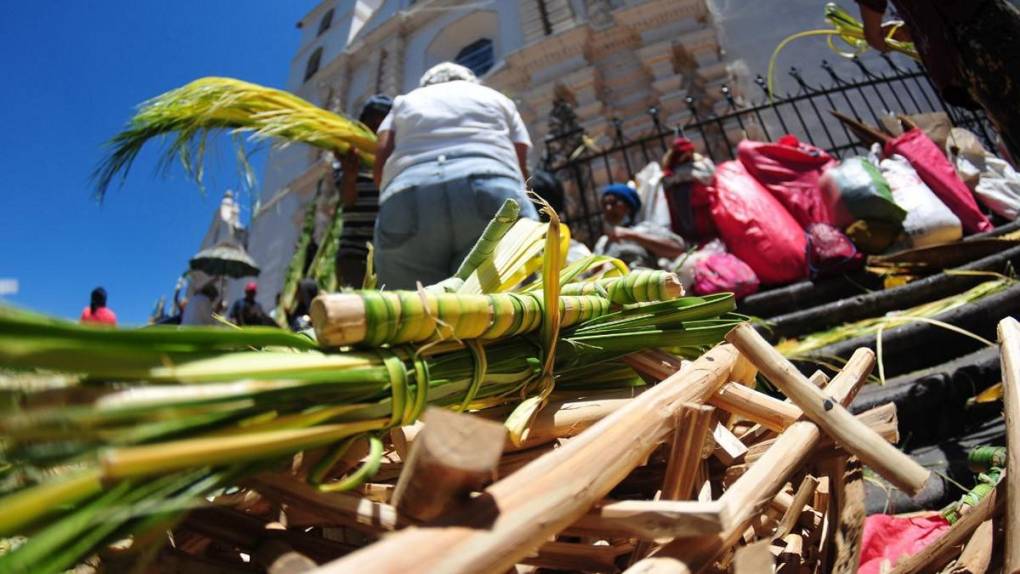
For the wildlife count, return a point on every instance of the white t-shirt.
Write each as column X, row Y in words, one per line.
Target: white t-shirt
column 452, row 118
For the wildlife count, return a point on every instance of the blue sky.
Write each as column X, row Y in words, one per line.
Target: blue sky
column 73, row 74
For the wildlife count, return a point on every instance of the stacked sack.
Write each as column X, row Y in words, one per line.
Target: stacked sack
column 788, row 211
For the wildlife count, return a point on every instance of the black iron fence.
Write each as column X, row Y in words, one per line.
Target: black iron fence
column 871, row 95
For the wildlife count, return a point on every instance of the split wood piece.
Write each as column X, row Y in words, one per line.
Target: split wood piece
column 1009, row 351
column 977, row 554
column 749, row 495
column 939, row 553
column 754, row 559
column 845, row 517
column 578, row 557
column 805, row 492
column 655, row 519
column 888, row 461
column 455, row 455
column 332, row 508
column 693, row 423
column 728, row 448
column 514, row 516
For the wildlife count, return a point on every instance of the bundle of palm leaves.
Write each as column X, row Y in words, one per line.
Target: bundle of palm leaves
column 162, row 417
column 187, row 115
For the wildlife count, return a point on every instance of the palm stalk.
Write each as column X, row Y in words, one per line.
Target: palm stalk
column 324, row 264
column 801, row 347
column 190, row 113
column 296, row 267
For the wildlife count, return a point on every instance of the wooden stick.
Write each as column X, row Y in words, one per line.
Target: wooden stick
column 755, row 406
column 759, row 485
column 655, row 519
column 514, row 516
column 454, row 456
column 693, row 424
column 1009, row 350
column 895, row 466
column 939, row 553
column 805, row 491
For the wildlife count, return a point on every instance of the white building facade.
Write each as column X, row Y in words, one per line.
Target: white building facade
column 608, row 58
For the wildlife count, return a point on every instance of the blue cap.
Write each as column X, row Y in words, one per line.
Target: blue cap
column 625, row 193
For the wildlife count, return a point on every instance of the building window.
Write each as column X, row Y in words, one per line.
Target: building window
column 478, row 56
column 326, row 22
column 313, row 63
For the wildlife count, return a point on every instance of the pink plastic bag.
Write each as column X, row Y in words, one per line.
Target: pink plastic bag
column 889, row 538
column 756, row 227
column 721, row 272
column 790, row 171
column 939, row 175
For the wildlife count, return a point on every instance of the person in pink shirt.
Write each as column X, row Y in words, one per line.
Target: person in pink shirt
column 97, row 311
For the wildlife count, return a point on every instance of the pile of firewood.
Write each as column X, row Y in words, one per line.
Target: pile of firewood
column 698, row 473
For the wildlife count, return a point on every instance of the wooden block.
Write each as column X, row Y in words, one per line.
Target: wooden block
column 728, row 449
column 455, row 455
column 668, row 518
column 693, row 424
column 895, row 466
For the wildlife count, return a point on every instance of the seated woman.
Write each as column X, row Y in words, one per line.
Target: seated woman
column 450, row 152
column 638, row 244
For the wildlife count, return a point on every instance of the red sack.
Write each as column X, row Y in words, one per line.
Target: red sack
column 756, row 227
column 889, row 538
column 830, row 252
column 938, row 174
column 721, row 272
column 790, row 171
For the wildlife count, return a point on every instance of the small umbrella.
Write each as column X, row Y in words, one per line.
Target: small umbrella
column 224, row 260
